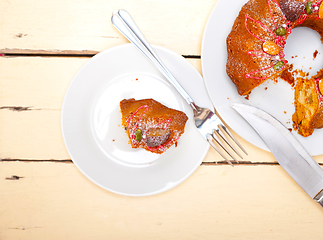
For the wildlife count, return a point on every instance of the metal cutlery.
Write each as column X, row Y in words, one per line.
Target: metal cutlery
column 208, row 124
column 289, row 153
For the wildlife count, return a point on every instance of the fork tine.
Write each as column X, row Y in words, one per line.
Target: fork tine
column 225, row 139
column 216, row 138
column 226, row 130
column 210, row 140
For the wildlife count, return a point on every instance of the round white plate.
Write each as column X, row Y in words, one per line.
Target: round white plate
column 91, row 121
column 275, row 98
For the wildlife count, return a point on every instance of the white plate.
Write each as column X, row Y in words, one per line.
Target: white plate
column 278, row 98
column 91, row 121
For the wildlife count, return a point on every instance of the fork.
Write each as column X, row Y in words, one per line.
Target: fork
column 208, row 124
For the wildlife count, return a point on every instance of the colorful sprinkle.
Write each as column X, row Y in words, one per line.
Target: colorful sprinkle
column 309, row 7
column 278, row 65
column 281, row 31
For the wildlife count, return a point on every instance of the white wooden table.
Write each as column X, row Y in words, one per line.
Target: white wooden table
column 44, row 196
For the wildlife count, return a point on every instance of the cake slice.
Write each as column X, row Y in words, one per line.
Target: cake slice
column 308, row 105
column 151, row 125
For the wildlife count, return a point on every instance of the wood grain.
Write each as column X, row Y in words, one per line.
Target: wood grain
column 31, row 99
column 33, row 96
column 43, row 195
column 55, row 201
column 85, row 26
column 36, row 135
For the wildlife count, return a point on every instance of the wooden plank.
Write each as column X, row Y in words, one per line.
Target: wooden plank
column 85, row 26
column 31, row 135
column 36, row 135
column 41, row 82
column 31, row 99
column 55, row 201
column 36, row 82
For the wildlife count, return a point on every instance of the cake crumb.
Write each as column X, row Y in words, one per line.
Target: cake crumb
column 301, row 73
column 288, row 77
column 315, row 54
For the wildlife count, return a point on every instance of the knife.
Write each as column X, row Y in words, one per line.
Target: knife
column 289, row 153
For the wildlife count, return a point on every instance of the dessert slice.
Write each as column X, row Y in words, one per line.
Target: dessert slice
column 308, row 106
column 151, row 125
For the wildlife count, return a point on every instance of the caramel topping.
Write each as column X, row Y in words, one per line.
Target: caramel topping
column 270, row 47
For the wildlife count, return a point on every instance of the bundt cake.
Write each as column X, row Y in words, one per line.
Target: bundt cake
column 256, row 44
column 151, row 125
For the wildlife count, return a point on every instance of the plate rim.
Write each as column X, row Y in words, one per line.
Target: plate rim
column 107, row 51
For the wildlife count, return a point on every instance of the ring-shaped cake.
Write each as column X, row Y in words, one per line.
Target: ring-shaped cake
column 256, row 45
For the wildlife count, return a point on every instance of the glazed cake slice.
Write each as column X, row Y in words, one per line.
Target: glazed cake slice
column 151, row 125
column 308, row 105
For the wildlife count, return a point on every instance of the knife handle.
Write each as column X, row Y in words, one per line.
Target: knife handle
column 319, row 197
column 320, row 201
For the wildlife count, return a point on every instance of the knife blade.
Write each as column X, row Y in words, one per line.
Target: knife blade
column 289, row 153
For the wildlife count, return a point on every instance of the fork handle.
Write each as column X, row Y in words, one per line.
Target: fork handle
column 122, row 20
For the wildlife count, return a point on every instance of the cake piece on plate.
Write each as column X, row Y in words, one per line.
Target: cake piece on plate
column 151, row 125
